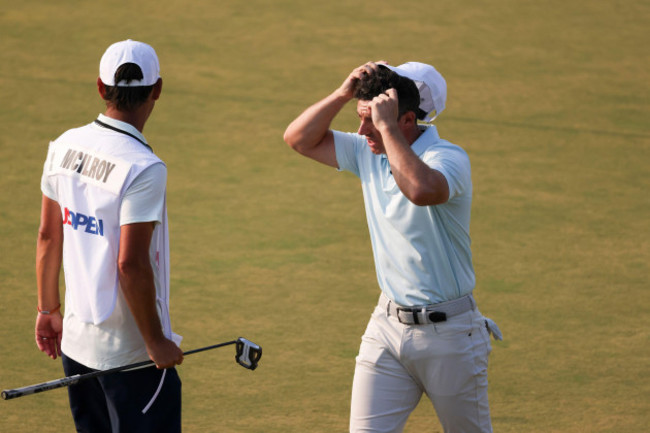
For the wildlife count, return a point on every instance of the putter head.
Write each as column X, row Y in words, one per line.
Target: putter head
column 248, row 353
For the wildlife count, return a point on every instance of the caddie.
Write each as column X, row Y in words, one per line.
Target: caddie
column 104, row 217
column 426, row 334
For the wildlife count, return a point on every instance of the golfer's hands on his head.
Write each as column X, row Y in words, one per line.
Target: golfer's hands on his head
column 384, row 109
column 165, row 353
column 350, row 84
column 48, row 332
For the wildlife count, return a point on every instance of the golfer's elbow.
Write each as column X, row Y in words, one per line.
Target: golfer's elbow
column 428, row 189
column 426, row 195
column 426, row 199
column 289, row 137
column 296, row 140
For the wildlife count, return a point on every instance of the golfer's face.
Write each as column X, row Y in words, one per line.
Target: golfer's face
column 368, row 129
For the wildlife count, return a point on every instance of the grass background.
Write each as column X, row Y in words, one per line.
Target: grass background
column 550, row 99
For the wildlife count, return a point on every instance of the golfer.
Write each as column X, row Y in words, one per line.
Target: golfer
column 104, row 217
column 426, row 334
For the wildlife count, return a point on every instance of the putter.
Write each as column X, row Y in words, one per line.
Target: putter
column 247, row 355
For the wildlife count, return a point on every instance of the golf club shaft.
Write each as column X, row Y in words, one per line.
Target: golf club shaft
column 8, row 394
column 203, row 349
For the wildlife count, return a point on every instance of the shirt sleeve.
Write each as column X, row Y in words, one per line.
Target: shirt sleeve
column 46, row 186
column 346, row 145
column 453, row 163
column 144, row 199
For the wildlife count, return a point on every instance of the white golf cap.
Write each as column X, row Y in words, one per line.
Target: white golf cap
column 129, row 51
column 431, row 85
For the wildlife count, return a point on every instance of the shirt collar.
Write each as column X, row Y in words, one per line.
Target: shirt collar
column 126, row 127
column 428, row 136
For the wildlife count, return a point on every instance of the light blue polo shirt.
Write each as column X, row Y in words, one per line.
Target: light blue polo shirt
column 422, row 253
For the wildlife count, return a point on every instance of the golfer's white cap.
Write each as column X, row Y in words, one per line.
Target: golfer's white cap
column 129, row 51
column 430, row 83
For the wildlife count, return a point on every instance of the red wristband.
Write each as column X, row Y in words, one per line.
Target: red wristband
column 57, row 308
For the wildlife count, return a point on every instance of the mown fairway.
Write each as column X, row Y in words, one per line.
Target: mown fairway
column 550, row 99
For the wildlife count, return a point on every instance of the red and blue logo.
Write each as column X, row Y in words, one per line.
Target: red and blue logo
column 88, row 224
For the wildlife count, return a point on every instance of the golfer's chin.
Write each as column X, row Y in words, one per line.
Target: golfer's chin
column 375, row 148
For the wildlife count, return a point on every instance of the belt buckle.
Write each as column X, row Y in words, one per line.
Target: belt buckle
column 413, row 311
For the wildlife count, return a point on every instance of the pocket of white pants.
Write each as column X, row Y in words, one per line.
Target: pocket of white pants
column 455, row 326
column 371, row 347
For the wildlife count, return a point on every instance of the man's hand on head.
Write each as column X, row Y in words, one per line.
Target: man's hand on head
column 349, row 86
column 384, row 109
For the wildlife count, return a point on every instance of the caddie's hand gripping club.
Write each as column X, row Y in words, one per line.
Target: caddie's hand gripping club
column 248, row 355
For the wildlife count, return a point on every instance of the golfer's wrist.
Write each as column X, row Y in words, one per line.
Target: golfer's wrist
column 387, row 128
column 343, row 95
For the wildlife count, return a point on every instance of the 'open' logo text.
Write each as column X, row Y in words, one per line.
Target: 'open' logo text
column 89, row 224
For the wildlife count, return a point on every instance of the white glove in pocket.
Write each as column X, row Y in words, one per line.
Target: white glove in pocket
column 493, row 329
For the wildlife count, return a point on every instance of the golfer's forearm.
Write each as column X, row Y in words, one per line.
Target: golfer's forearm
column 422, row 185
column 311, row 127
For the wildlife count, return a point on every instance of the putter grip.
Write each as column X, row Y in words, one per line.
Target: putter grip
column 8, row 394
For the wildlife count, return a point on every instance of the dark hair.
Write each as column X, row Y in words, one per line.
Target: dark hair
column 127, row 98
column 383, row 79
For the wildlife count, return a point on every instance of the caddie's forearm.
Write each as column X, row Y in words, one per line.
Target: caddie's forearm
column 49, row 254
column 137, row 285
column 48, row 266
column 309, row 129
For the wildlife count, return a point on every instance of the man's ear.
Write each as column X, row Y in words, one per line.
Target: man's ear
column 407, row 119
column 157, row 89
column 101, row 88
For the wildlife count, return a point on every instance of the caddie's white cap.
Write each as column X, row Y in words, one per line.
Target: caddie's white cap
column 129, row 51
column 431, row 85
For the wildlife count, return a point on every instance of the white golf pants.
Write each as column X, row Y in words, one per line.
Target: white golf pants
column 397, row 363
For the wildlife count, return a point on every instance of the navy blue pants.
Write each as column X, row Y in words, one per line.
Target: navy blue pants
column 114, row 403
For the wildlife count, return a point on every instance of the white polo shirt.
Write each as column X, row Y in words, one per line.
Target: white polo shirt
column 422, row 253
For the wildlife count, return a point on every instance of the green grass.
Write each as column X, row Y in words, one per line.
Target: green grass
column 551, row 101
